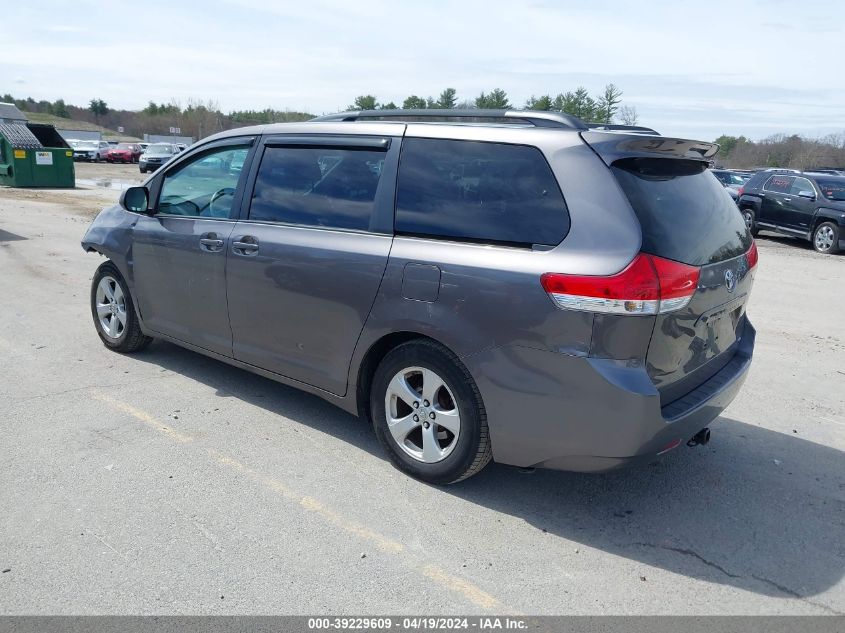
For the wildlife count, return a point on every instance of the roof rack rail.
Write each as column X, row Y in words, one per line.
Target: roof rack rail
column 536, row 118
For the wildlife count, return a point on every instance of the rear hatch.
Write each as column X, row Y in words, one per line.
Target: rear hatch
column 686, row 216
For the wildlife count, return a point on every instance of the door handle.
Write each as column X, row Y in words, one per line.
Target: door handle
column 246, row 245
column 210, row 242
column 787, row 199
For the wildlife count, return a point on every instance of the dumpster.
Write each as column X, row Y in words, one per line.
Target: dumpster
column 34, row 155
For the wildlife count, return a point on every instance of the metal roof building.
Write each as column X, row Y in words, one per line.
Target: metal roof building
column 9, row 113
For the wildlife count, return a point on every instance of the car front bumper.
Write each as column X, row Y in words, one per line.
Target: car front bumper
column 552, row 410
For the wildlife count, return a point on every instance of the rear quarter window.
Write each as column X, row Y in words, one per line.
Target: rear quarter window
column 685, row 215
column 479, row 192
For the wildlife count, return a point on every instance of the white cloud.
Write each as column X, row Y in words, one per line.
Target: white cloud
column 688, row 68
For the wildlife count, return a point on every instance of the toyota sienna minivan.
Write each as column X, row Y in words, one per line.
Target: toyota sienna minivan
column 481, row 285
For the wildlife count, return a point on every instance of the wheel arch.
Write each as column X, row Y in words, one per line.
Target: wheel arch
column 377, row 350
column 828, row 215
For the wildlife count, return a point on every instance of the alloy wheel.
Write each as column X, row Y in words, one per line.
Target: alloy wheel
column 422, row 414
column 824, row 238
column 111, row 307
column 749, row 220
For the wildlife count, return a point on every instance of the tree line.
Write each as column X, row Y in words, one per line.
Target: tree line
column 781, row 150
column 601, row 108
column 202, row 118
column 197, row 118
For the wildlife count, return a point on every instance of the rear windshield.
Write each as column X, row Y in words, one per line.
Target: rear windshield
column 685, row 214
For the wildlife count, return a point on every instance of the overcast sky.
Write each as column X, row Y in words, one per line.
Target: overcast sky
column 691, row 69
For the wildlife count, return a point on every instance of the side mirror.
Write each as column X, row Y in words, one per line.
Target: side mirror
column 807, row 194
column 135, row 199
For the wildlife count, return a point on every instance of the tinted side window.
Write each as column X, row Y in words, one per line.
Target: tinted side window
column 801, row 184
column 205, row 186
column 779, row 184
column 316, row 186
column 486, row 192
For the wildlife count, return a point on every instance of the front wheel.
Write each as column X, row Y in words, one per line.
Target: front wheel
column 826, row 238
column 114, row 315
column 428, row 414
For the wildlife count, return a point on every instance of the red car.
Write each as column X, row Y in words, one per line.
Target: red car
column 124, row 153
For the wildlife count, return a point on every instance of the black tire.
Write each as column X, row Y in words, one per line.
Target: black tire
column 143, row 171
column 472, row 450
column 828, row 228
column 750, row 220
column 130, row 338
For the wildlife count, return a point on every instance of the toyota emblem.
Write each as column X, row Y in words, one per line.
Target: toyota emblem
column 730, row 280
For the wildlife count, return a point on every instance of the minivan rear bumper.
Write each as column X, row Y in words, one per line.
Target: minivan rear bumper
column 565, row 412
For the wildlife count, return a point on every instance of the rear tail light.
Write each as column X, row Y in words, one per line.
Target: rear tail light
column 740, row 191
column 649, row 285
column 751, row 255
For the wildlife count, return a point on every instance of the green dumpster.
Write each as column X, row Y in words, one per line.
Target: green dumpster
column 34, row 155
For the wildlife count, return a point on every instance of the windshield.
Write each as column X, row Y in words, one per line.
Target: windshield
column 124, row 146
column 160, row 148
column 730, row 179
column 832, row 188
column 88, row 145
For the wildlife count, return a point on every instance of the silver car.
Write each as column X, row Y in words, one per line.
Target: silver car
column 91, row 151
column 155, row 155
column 499, row 285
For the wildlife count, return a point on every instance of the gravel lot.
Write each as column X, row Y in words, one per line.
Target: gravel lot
column 169, row 483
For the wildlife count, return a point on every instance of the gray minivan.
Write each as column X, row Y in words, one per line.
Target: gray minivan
column 480, row 284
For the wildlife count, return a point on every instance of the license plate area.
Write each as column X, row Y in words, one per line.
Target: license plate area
column 716, row 330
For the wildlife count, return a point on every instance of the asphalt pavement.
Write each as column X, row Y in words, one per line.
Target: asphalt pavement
column 166, row 482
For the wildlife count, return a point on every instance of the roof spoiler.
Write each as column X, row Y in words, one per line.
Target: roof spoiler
column 612, row 145
column 633, row 129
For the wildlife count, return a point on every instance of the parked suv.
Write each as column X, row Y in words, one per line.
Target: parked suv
column 155, row 156
column 808, row 205
column 520, row 289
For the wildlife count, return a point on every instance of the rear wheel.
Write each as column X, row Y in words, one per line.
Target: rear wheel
column 428, row 415
column 114, row 315
column 826, row 238
column 750, row 224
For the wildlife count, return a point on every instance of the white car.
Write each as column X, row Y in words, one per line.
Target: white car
column 94, row 151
